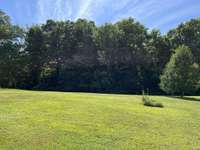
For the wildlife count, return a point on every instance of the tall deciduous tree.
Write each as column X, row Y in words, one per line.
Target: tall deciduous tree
column 80, row 56
column 11, row 42
column 35, row 54
column 181, row 74
column 187, row 33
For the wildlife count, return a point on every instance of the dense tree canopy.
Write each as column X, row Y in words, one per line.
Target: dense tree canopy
column 80, row 56
column 10, row 52
column 181, row 73
column 188, row 34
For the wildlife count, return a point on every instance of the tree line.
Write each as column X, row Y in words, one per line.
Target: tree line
column 122, row 57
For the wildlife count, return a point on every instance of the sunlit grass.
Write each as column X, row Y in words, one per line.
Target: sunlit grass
column 55, row 120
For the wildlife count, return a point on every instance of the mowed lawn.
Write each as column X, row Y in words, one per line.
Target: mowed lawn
column 31, row 120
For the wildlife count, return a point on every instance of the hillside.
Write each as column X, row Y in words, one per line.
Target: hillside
column 55, row 120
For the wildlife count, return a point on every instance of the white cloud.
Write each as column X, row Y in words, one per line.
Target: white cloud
column 90, row 8
column 174, row 16
column 84, row 9
column 153, row 13
column 54, row 9
column 120, row 4
column 136, row 9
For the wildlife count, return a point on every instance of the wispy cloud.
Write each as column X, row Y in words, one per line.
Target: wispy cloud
column 159, row 14
column 91, row 8
column 162, row 14
column 54, row 9
column 84, row 8
column 136, row 9
column 179, row 13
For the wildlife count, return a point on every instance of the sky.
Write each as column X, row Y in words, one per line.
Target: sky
column 159, row 14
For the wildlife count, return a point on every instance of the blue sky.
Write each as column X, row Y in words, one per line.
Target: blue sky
column 161, row 14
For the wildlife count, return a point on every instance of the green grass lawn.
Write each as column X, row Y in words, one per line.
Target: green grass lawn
column 80, row 121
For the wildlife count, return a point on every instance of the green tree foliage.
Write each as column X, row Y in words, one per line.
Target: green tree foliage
column 80, row 56
column 35, row 54
column 11, row 42
column 4, row 26
column 181, row 73
column 188, row 34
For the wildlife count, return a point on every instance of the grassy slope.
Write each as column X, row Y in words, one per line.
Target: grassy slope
column 53, row 120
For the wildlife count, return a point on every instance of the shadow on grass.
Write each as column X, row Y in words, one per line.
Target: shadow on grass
column 186, row 98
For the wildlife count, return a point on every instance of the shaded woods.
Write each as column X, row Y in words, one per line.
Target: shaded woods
column 124, row 57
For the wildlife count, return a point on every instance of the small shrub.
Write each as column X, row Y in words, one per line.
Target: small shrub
column 152, row 103
column 149, row 102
